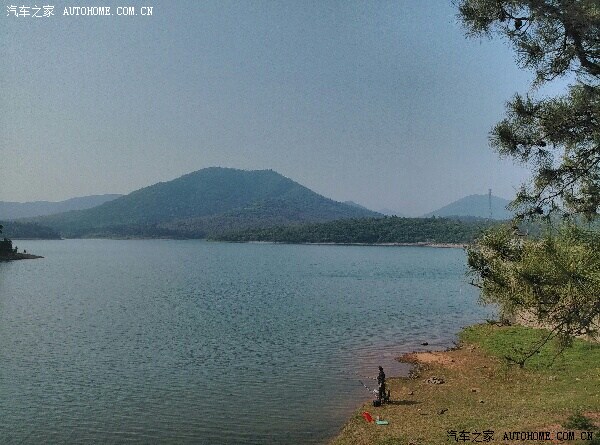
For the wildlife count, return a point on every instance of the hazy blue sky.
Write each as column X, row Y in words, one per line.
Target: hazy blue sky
column 384, row 103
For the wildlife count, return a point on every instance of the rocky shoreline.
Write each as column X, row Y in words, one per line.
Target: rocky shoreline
column 19, row 256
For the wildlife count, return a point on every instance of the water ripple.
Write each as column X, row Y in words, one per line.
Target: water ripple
column 196, row 342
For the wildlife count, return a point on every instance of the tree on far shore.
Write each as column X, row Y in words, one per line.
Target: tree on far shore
column 6, row 246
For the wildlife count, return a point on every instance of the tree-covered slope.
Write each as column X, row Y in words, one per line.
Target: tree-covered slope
column 366, row 231
column 205, row 202
column 24, row 230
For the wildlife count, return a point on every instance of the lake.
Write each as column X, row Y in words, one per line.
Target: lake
column 166, row 341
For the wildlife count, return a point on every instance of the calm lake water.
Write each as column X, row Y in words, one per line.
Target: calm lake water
column 163, row 341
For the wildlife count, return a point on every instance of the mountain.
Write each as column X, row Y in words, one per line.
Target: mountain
column 15, row 210
column 208, row 201
column 476, row 206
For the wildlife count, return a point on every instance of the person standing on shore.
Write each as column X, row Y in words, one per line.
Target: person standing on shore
column 381, row 383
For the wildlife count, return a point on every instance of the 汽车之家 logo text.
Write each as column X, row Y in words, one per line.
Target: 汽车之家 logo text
column 49, row 11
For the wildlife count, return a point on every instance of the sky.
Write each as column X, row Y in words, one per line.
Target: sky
column 384, row 103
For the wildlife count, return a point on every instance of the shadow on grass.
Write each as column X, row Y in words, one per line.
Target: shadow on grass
column 402, row 402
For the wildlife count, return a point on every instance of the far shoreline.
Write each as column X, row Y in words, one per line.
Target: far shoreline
column 142, row 238
column 417, row 244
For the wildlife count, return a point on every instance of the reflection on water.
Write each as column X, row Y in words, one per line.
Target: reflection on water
column 197, row 342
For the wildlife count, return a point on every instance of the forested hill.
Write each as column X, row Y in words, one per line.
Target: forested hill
column 23, row 230
column 206, row 202
column 368, row 231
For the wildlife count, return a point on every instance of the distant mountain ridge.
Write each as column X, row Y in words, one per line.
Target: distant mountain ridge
column 16, row 210
column 476, row 206
column 208, row 201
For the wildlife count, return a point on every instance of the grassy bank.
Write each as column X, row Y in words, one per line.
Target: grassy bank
column 481, row 391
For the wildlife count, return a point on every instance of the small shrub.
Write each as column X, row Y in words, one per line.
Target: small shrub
column 578, row 421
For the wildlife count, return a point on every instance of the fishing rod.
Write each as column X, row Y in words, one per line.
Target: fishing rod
column 370, row 390
column 354, row 373
column 374, row 391
column 365, row 376
column 381, row 398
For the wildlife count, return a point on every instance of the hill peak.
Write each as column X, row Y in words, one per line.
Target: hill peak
column 475, row 205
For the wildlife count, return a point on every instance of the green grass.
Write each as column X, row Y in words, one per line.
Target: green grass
column 513, row 341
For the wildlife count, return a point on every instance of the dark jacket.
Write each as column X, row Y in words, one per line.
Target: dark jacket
column 381, row 378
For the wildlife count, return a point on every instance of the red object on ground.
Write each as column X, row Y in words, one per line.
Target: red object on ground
column 367, row 416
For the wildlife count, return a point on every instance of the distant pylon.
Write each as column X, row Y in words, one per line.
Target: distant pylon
column 490, row 202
